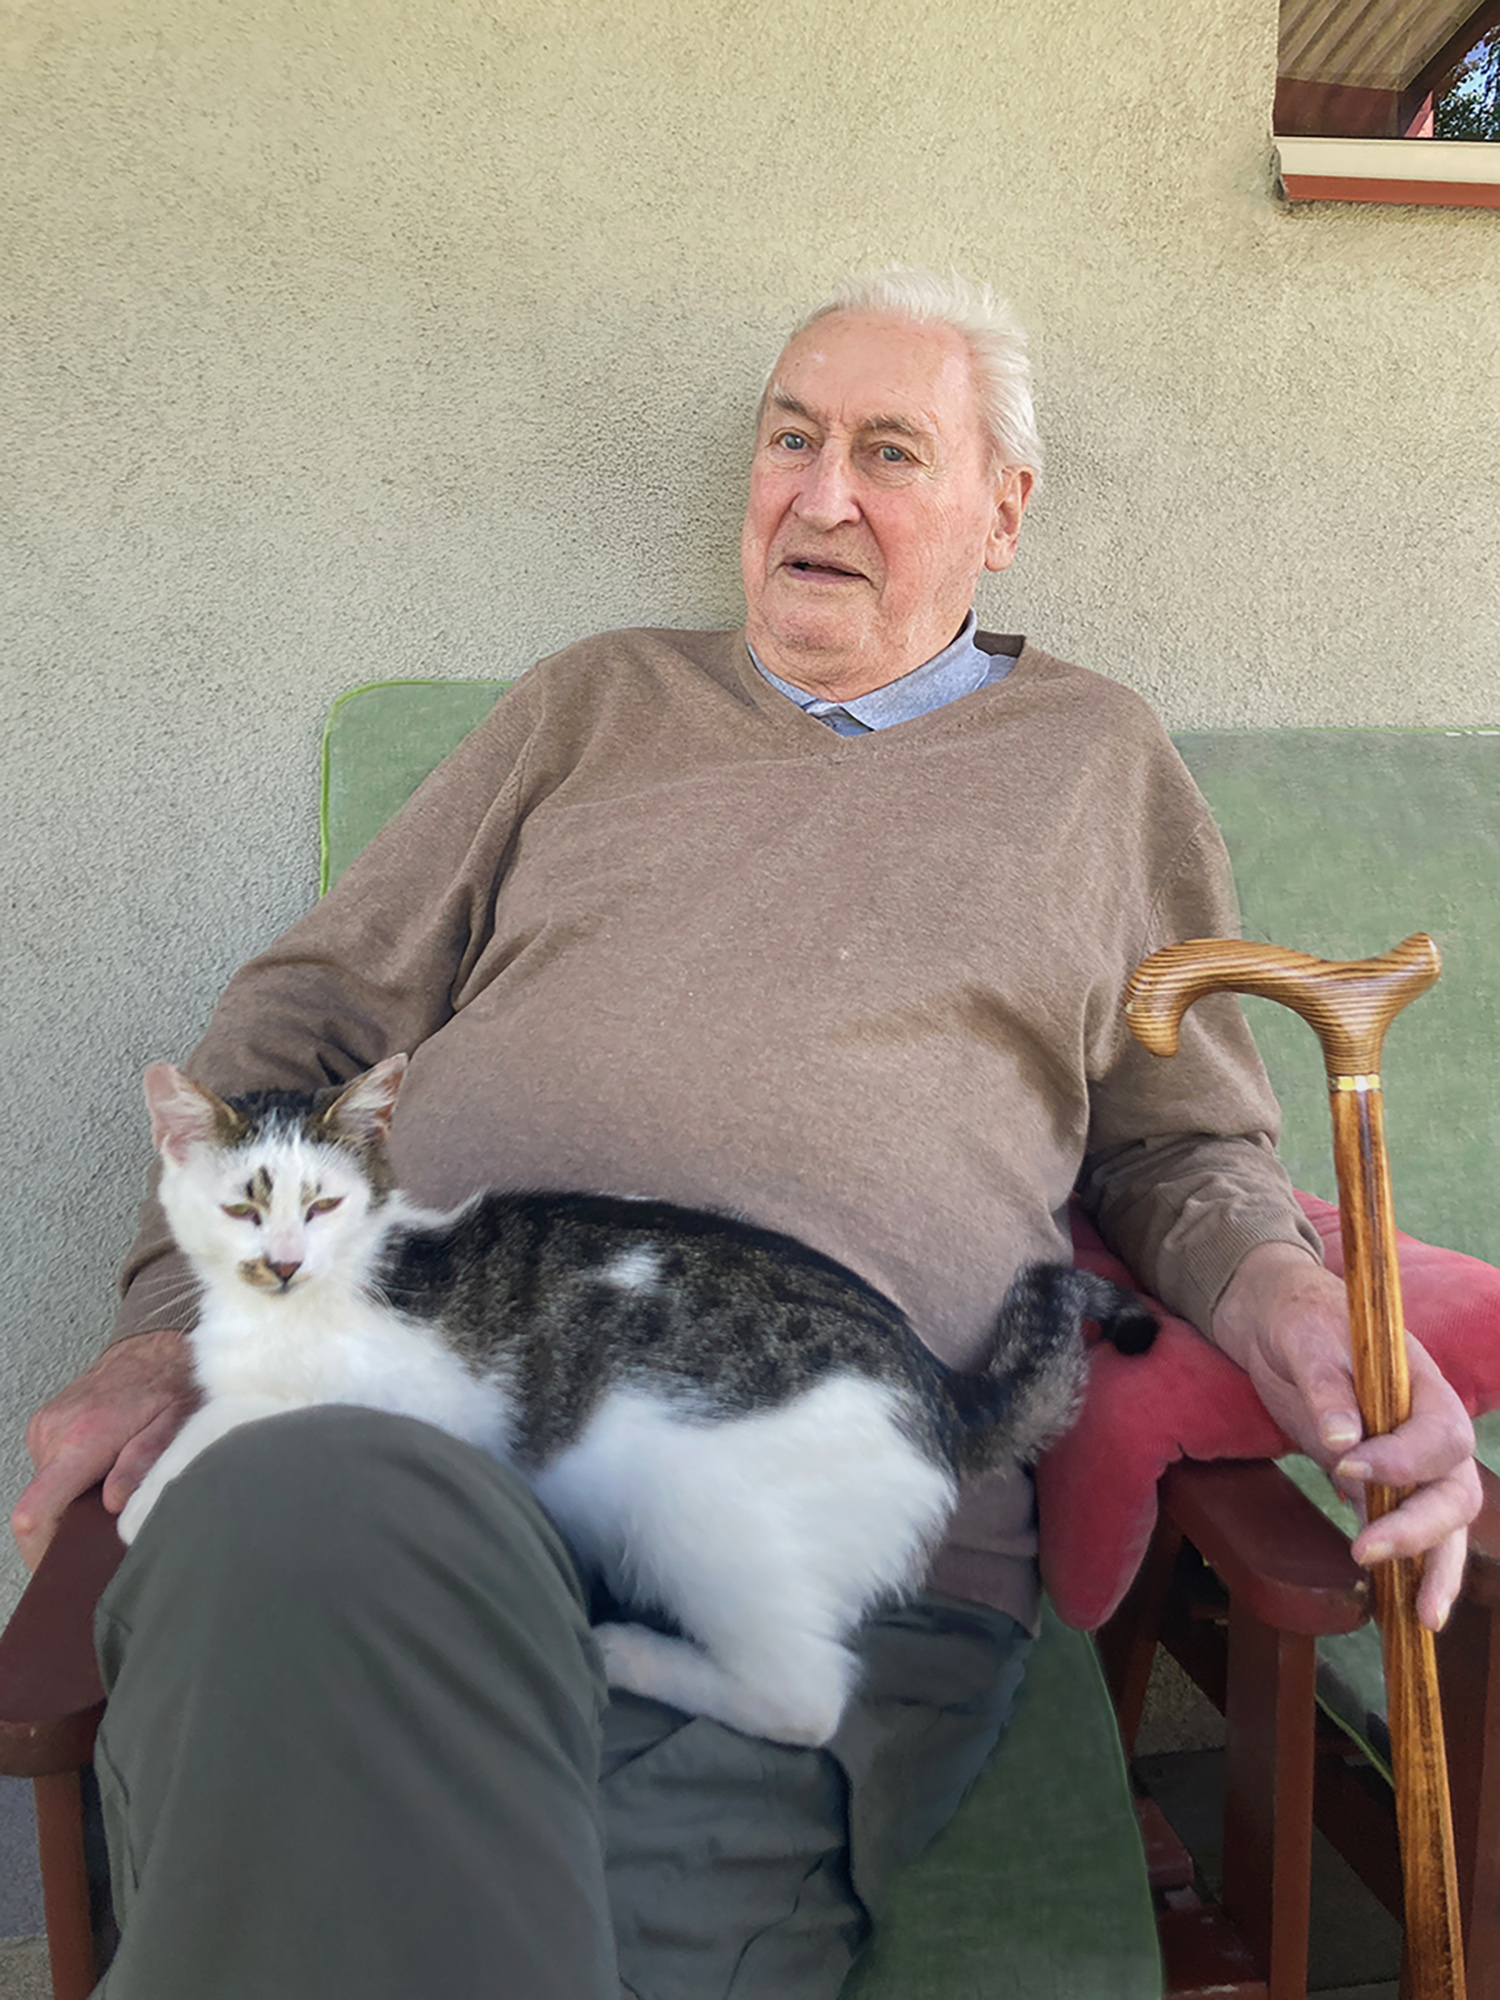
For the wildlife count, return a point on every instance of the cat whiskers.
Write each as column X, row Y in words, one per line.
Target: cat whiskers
column 376, row 1291
column 181, row 1304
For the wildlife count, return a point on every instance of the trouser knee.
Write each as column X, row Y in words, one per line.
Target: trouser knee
column 329, row 1485
column 346, row 1646
column 344, row 1530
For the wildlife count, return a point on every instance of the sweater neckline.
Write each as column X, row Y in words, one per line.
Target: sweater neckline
column 810, row 735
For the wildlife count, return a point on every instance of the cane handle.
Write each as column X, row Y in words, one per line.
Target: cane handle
column 1348, row 1004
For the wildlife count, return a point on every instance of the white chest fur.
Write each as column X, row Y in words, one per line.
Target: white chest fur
column 331, row 1344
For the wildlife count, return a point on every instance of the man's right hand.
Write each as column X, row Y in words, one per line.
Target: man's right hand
column 112, row 1424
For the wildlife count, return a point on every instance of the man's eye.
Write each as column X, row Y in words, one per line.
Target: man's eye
column 242, row 1211
column 892, row 454
column 325, row 1205
column 792, row 441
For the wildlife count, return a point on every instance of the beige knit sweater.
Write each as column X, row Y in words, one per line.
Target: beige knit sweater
column 653, row 930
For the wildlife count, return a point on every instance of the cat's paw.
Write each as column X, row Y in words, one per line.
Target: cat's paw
column 683, row 1675
column 633, row 1658
column 132, row 1515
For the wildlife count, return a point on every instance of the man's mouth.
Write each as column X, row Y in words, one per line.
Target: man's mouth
column 817, row 568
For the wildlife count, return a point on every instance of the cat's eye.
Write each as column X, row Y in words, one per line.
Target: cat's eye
column 241, row 1210
column 323, row 1205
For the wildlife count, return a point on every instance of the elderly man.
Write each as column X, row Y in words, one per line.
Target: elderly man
column 826, row 922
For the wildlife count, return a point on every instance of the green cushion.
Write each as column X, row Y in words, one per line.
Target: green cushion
column 1038, row 1887
column 1345, row 841
column 380, row 742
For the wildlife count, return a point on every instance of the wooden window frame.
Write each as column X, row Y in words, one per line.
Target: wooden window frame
column 1432, row 173
column 1413, row 168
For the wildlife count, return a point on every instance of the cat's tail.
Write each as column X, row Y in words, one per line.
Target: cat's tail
column 1031, row 1386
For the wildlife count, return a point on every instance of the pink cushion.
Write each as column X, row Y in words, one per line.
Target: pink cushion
column 1096, row 1487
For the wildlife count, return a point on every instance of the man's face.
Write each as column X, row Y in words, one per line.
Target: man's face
column 873, row 504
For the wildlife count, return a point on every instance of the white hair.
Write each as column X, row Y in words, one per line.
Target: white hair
column 993, row 335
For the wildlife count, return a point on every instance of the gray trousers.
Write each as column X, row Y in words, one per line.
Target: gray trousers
column 359, row 1747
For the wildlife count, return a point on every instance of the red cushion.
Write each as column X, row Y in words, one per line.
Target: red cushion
column 1096, row 1487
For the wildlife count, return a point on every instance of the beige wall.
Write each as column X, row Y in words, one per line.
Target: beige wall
column 353, row 338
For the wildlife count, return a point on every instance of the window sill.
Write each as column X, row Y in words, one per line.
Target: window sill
column 1441, row 173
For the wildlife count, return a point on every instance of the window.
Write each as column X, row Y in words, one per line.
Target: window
column 1390, row 100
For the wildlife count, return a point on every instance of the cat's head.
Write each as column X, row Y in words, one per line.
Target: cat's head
column 278, row 1188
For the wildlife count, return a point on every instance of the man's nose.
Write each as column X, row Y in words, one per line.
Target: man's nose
column 827, row 495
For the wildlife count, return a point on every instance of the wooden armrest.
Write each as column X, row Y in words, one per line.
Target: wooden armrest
column 1269, row 1544
column 1267, row 1540
column 50, row 1694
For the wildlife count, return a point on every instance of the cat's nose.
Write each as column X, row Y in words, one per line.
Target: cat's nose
column 286, row 1272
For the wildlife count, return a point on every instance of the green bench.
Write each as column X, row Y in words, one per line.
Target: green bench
column 1343, row 842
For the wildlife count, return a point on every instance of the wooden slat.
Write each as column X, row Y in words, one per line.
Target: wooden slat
column 1203, row 1957
column 1269, row 1544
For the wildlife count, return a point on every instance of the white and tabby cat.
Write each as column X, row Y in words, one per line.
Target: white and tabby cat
column 733, row 1429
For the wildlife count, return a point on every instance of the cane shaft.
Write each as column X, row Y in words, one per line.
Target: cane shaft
column 1378, row 1347
column 1429, row 1866
column 1367, row 1222
column 1349, row 1007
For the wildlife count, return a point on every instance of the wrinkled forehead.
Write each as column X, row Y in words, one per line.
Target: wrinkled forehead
column 873, row 372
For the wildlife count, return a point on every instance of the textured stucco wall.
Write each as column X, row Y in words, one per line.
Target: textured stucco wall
column 351, row 338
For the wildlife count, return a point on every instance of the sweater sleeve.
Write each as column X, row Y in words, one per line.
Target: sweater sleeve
column 1181, row 1175
column 372, row 969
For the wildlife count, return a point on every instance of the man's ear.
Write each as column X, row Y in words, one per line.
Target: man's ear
column 1013, row 489
column 183, row 1113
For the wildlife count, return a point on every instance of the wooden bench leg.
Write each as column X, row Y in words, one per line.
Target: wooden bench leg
column 65, row 1884
column 1127, row 1644
column 1268, row 1755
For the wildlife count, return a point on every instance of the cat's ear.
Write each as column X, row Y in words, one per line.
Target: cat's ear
column 184, row 1114
column 363, row 1111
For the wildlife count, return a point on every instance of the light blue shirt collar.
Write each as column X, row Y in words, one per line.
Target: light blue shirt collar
column 960, row 669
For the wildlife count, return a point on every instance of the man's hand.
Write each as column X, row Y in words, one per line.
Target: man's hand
column 1284, row 1319
column 112, row 1424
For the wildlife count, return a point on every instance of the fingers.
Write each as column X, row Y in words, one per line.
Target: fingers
column 1309, row 1365
column 71, row 1471
column 1432, row 1453
column 1423, row 1449
column 1326, row 1389
column 1426, row 1519
column 1442, row 1564
column 1287, row 1324
column 137, row 1458
column 116, row 1418
column 1442, row 1580
column 1434, row 1441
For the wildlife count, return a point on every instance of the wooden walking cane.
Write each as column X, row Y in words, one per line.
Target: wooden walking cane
column 1349, row 1006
